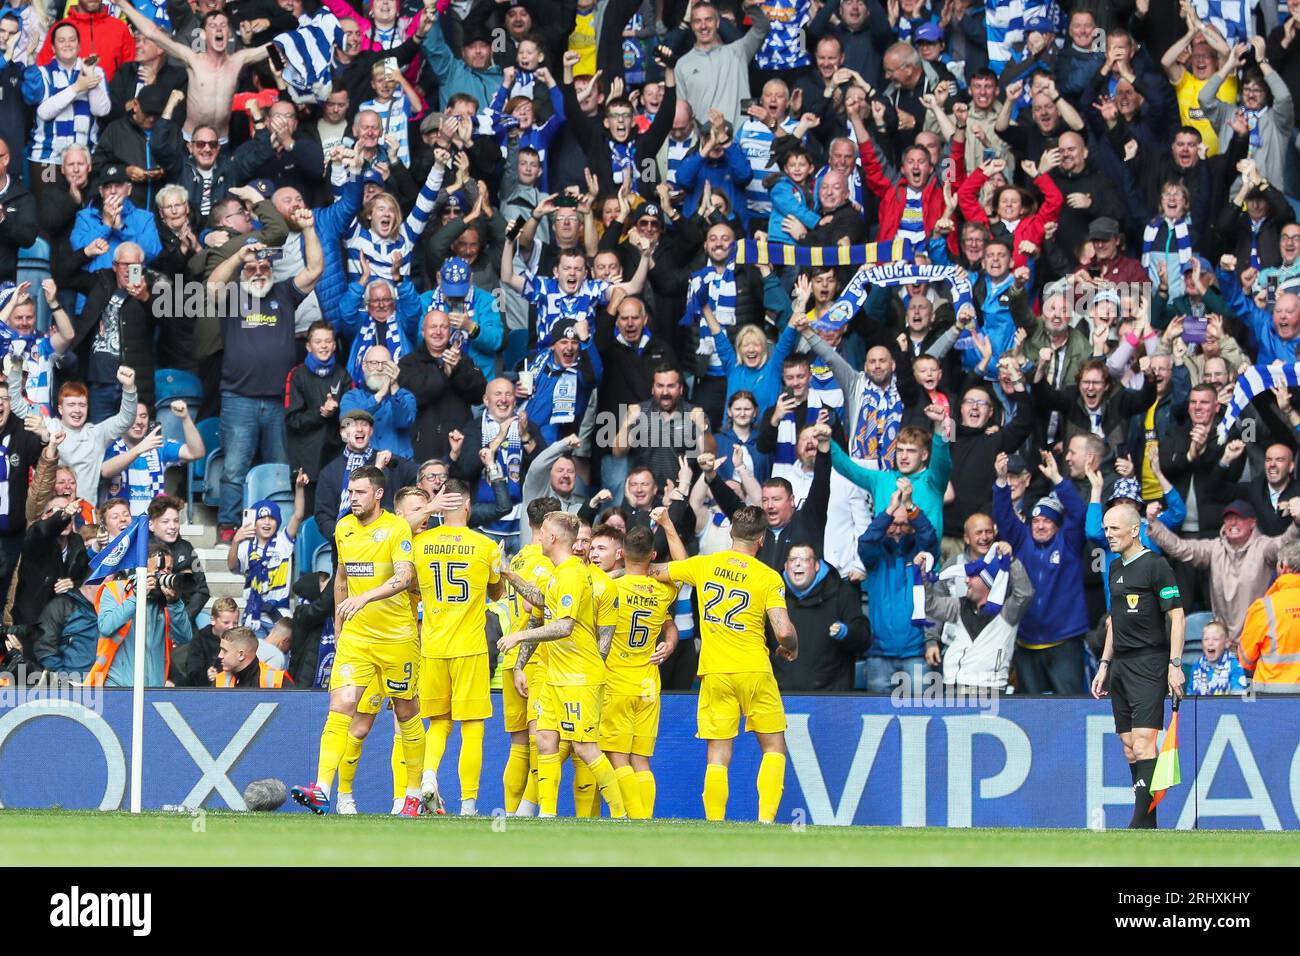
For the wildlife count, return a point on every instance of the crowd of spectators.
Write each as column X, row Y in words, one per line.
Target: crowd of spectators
column 508, row 242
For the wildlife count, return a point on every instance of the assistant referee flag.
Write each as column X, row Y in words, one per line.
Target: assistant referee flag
column 1167, row 773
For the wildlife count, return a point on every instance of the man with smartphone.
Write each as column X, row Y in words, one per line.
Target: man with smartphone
column 129, row 142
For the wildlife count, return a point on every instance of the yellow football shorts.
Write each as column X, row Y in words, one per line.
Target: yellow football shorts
column 724, row 697
column 629, row 724
column 573, row 711
column 514, row 707
column 461, row 686
column 392, row 665
column 372, row 700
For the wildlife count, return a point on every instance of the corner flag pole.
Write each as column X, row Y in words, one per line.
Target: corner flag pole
column 137, row 690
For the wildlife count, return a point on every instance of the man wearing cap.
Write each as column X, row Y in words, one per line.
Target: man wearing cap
column 475, row 319
column 116, row 220
column 129, row 142
column 356, row 428
column 1101, row 257
column 473, row 73
column 564, row 376
column 1049, row 654
column 1240, row 560
column 929, row 41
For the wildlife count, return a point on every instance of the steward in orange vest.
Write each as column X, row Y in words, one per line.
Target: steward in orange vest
column 240, row 666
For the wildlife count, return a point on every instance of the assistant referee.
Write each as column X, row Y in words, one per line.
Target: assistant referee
column 1141, row 662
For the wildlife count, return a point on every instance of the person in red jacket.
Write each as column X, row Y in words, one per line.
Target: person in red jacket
column 1013, row 206
column 101, row 34
column 918, row 190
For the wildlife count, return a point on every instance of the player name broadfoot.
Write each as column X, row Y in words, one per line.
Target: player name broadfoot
column 448, row 549
column 76, row 909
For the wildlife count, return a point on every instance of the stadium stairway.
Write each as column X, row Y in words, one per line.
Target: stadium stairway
column 200, row 530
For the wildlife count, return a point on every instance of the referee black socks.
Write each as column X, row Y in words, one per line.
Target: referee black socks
column 1144, row 818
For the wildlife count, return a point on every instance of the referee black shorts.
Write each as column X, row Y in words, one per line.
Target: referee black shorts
column 1138, row 685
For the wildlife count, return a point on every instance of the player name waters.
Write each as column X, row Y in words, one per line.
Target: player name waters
column 1198, row 897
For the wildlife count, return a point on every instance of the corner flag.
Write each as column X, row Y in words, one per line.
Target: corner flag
column 1167, row 773
column 127, row 551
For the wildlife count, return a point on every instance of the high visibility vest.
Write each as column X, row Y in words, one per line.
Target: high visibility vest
column 267, row 677
column 107, row 647
column 1270, row 637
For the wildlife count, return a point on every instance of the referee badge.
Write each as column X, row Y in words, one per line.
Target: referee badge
column 1132, row 601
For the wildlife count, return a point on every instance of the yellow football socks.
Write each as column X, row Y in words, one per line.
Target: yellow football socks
column 412, row 732
column 771, row 784
column 333, row 743
column 348, row 766
column 530, row 788
column 471, row 758
column 715, row 792
column 515, row 778
column 435, row 742
column 548, row 783
column 628, row 787
column 603, row 771
column 586, row 798
column 646, row 784
column 397, row 759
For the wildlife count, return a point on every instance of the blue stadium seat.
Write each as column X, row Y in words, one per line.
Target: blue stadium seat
column 1195, row 625
column 269, row 481
column 34, row 267
column 323, row 559
column 304, row 549
column 216, row 464
column 516, row 348
column 170, row 384
column 210, row 432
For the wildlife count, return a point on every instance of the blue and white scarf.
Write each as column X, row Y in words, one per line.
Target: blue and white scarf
column 880, row 418
column 1177, row 228
column 525, row 83
column 1232, row 18
column 564, row 397
column 309, row 56
column 912, row 226
column 895, row 273
column 1004, row 25
column 918, row 597
column 1255, row 226
column 824, row 389
column 1255, row 381
column 319, row 368
column 717, row 290
column 510, row 459
column 328, row 645
column 622, row 160
column 368, row 337
column 352, row 460
column 4, row 483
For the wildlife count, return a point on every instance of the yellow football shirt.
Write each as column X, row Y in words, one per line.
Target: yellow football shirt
column 643, row 606
column 454, row 567
column 735, row 593
column 574, row 660
column 606, row 597
column 1188, row 93
column 582, row 41
column 369, row 553
column 529, row 563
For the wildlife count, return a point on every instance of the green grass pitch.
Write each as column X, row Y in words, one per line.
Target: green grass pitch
column 59, row 838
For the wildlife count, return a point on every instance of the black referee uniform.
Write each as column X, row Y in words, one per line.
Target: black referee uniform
column 1142, row 592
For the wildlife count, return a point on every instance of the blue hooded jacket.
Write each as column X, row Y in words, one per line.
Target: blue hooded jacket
column 888, row 564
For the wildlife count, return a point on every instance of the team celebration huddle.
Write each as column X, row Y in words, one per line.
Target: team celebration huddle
column 590, row 623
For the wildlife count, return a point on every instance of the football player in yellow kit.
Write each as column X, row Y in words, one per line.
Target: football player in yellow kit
column 575, row 671
column 737, row 593
column 520, row 777
column 377, row 634
column 644, row 638
column 458, row 571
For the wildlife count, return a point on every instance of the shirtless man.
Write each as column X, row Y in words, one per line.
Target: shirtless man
column 213, row 73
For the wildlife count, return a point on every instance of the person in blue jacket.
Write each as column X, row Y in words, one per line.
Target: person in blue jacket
column 475, row 318
column 116, row 220
column 1049, row 649
column 792, row 195
column 376, row 312
column 1276, row 331
column 720, row 162
column 888, row 548
column 391, row 408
